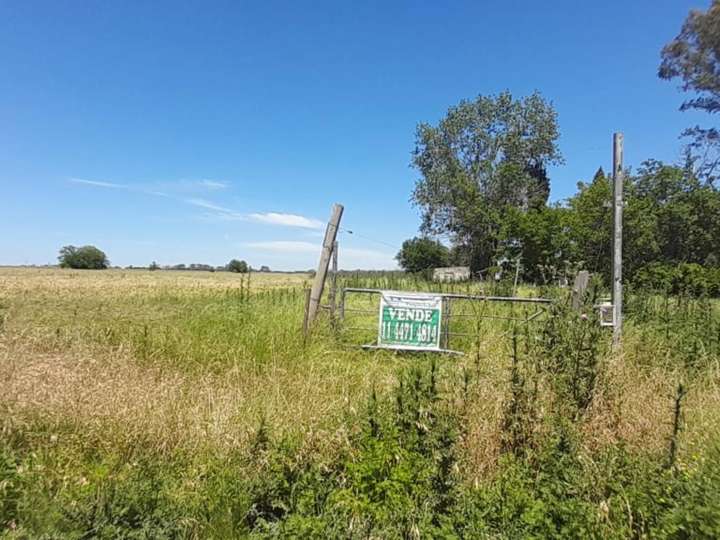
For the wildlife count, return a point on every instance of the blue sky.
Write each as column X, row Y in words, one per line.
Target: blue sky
column 202, row 131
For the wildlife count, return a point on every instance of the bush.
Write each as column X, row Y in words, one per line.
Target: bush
column 422, row 254
column 83, row 258
column 9, row 489
column 130, row 500
column 240, row 267
column 396, row 478
column 696, row 512
column 689, row 279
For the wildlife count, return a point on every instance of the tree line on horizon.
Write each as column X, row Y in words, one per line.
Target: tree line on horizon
column 93, row 258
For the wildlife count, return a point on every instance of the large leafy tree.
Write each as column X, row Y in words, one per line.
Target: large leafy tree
column 541, row 238
column 694, row 57
column 680, row 216
column 483, row 158
column 590, row 223
column 670, row 217
column 85, row 258
column 421, row 254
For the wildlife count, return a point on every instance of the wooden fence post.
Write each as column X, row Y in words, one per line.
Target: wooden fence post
column 447, row 315
column 321, row 274
column 579, row 287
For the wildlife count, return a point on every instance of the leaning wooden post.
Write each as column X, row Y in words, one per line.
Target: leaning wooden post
column 617, row 238
column 321, row 274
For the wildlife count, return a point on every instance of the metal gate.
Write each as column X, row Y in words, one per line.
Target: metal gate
column 453, row 312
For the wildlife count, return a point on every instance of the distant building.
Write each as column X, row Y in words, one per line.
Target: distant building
column 451, row 273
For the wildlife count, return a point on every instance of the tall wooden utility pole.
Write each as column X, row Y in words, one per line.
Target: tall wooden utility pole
column 618, row 178
column 327, row 248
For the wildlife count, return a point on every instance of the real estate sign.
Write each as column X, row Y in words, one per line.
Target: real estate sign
column 410, row 321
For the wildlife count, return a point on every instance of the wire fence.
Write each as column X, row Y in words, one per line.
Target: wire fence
column 465, row 316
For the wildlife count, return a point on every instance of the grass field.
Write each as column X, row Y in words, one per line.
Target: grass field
column 188, row 404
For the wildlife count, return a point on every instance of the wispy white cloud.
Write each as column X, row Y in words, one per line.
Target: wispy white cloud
column 115, row 185
column 158, row 194
column 188, row 186
column 221, row 215
column 288, row 220
column 208, row 205
column 267, row 218
column 160, row 188
column 98, row 183
column 171, row 190
column 212, row 184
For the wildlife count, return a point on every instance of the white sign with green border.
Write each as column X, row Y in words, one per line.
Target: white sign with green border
column 410, row 321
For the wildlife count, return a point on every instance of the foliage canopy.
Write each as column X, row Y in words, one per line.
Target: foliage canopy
column 237, row 266
column 420, row 254
column 84, row 257
column 694, row 57
column 485, row 157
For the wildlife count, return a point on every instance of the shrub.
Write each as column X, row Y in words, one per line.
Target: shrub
column 83, row 258
column 422, row 254
column 9, row 489
column 240, row 267
column 129, row 502
column 696, row 509
column 685, row 279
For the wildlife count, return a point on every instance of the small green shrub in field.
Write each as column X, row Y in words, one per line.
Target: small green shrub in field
column 401, row 474
column 10, row 489
column 695, row 512
column 502, row 287
column 572, row 346
column 134, row 504
column 561, row 493
column 565, row 359
column 397, row 477
column 539, row 495
column 681, row 331
column 680, row 279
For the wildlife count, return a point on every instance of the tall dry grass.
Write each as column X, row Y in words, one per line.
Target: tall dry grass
column 177, row 361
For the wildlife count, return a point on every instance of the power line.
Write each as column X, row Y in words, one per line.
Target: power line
column 348, row 231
